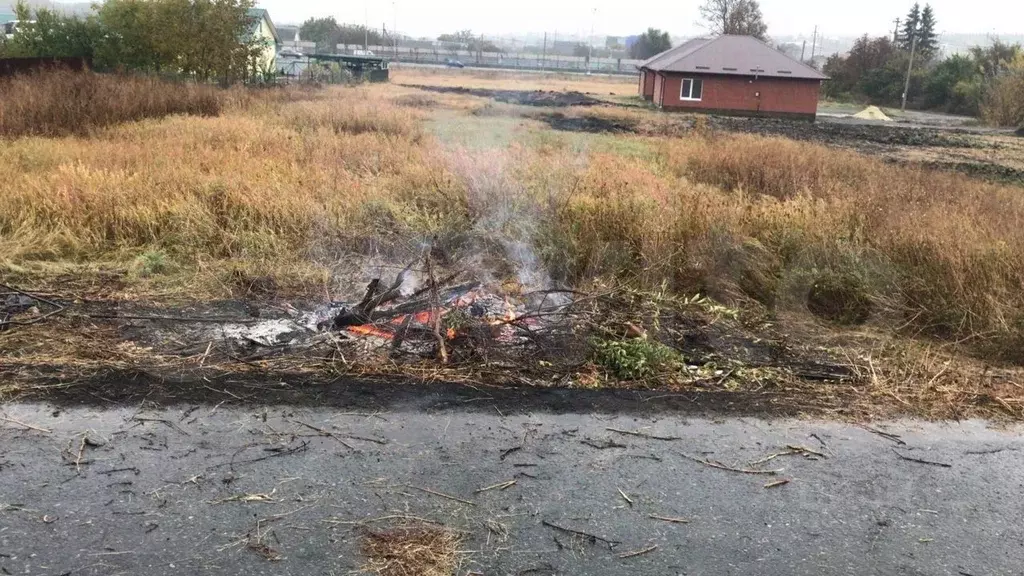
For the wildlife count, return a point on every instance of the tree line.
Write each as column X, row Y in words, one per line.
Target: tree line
column 208, row 40
column 986, row 81
column 735, row 17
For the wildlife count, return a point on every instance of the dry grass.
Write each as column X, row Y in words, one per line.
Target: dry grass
column 58, row 103
column 292, row 185
column 412, row 551
column 505, row 80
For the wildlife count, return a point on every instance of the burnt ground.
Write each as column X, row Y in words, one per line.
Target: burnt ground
column 542, row 98
column 890, row 141
column 258, row 487
column 132, row 351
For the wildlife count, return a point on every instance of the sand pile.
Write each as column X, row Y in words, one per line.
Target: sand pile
column 872, row 113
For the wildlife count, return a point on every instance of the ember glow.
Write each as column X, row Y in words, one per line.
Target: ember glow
column 492, row 310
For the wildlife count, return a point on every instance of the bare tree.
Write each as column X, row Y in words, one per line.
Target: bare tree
column 715, row 14
column 740, row 17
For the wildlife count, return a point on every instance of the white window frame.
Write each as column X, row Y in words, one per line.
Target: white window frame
column 687, row 97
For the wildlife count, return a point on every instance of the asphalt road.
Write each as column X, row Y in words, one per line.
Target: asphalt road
column 183, row 489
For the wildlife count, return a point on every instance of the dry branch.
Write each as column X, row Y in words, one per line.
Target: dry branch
column 886, row 435
column 642, row 434
column 20, row 423
column 919, row 461
column 636, row 553
column 592, row 537
column 443, row 495
column 498, row 486
column 721, row 466
column 669, row 519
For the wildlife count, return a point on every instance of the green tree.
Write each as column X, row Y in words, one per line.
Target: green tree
column 849, row 73
column 996, row 58
column 746, row 20
column 649, row 43
column 927, row 39
column 325, row 32
column 910, row 27
column 954, row 85
column 128, row 38
column 358, row 35
column 45, row 32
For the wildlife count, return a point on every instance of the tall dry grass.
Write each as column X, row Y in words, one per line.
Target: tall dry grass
column 61, row 102
column 284, row 181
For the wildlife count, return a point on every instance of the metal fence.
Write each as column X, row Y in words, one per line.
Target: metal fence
column 510, row 60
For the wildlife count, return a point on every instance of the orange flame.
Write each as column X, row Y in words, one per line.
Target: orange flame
column 451, row 333
column 369, row 330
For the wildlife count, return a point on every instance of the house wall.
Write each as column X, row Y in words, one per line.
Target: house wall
column 647, row 84
column 744, row 94
column 268, row 59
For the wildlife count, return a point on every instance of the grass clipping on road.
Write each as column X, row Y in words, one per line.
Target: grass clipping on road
column 412, row 551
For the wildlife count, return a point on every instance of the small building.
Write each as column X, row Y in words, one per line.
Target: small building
column 262, row 28
column 737, row 75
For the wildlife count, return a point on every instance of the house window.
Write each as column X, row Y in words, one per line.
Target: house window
column 692, row 89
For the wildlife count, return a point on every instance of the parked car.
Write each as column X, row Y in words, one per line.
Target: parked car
column 452, row 63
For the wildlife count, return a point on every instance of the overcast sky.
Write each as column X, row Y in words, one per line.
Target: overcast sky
column 570, row 17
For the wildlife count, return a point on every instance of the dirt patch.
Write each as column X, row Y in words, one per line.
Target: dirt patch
column 541, row 98
column 590, row 124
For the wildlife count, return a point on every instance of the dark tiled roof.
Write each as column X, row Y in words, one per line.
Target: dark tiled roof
column 677, row 52
column 733, row 55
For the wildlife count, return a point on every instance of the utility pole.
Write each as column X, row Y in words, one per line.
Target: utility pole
column 544, row 52
column 394, row 29
column 814, row 45
column 366, row 28
column 910, row 66
column 590, row 42
column 896, row 32
column 554, row 47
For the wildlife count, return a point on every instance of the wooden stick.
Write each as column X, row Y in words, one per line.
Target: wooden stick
column 625, row 497
column 636, row 553
column 435, row 312
column 777, row 483
column 642, row 434
column 805, row 450
column 885, row 435
column 610, row 543
column 919, row 461
column 721, row 466
column 499, row 486
column 669, row 519
column 196, row 319
column 325, row 433
column 20, row 423
column 443, row 495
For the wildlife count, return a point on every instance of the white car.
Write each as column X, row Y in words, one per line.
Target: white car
column 362, row 52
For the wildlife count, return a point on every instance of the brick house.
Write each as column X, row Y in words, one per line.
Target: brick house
column 731, row 75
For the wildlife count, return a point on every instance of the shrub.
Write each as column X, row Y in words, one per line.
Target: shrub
column 635, row 358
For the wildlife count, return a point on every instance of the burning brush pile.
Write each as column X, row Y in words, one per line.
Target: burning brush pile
column 449, row 320
column 610, row 333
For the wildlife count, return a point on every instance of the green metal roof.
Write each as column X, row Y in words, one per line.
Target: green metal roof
column 258, row 14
